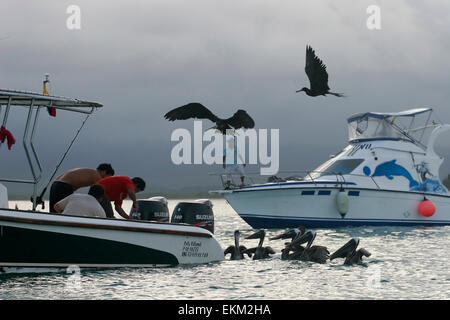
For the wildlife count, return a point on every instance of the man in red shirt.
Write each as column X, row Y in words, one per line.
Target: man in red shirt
column 117, row 189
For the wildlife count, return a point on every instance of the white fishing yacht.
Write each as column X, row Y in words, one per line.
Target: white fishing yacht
column 387, row 175
column 30, row 239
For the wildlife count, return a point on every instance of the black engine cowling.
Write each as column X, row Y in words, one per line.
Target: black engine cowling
column 198, row 213
column 152, row 209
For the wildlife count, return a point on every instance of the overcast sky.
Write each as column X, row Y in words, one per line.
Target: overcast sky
column 143, row 58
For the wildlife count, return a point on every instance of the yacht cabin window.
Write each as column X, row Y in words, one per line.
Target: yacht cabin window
column 345, row 166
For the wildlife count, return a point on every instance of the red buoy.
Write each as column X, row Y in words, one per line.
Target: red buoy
column 426, row 208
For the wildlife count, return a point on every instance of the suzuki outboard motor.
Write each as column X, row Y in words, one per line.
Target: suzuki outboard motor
column 152, row 209
column 198, row 213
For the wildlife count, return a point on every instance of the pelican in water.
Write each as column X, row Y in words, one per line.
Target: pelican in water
column 259, row 252
column 290, row 246
column 296, row 254
column 237, row 250
column 318, row 254
column 349, row 252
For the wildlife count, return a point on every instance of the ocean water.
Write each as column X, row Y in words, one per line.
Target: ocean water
column 406, row 263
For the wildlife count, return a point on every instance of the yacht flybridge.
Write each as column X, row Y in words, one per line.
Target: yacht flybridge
column 387, row 175
column 39, row 239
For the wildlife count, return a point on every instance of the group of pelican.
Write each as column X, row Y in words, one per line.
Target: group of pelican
column 294, row 250
column 259, row 252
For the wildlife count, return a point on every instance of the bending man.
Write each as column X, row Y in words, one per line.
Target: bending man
column 71, row 180
column 118, row 189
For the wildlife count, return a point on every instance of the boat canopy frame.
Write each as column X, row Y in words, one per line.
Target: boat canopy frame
column 388, row 120
column 35, row 102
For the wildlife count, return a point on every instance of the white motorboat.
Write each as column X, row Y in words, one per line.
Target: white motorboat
column 387, row 175
column 33, row 239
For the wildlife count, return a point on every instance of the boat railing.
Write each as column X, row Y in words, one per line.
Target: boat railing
column 232, row 180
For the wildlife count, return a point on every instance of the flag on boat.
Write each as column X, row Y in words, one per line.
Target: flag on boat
column 51, row 111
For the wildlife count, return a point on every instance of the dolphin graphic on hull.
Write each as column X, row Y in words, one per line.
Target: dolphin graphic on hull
column 390, row 169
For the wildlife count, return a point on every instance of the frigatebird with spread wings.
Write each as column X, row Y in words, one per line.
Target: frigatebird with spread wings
column 317, row 74
column 240, row 118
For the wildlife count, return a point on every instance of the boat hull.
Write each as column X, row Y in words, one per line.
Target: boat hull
column 48, row 240
column 316, row 207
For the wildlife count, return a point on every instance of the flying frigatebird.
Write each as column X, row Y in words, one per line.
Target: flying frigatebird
column 317, row 74
column 240, row 118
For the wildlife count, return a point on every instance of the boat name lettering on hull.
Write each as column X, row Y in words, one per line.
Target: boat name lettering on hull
column 192, row 249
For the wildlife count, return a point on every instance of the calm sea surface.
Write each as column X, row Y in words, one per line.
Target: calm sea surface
column 406, row 263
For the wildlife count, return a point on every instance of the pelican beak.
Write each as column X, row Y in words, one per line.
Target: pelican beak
column 290, row 233
column 280, row 236
column 365, row 252
column 257, row 235
column 308, row 236
column 286, row 235
column 346, row 249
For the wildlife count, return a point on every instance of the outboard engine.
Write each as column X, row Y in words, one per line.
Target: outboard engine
column 151, row 209
column 198, row 213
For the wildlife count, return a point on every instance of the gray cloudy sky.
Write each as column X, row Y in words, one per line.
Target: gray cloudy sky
column 142, row 58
